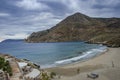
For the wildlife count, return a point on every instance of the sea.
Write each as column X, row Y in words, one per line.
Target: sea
column 51, row 54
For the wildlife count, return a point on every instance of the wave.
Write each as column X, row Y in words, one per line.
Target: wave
column 86, row 55
column 1, row 40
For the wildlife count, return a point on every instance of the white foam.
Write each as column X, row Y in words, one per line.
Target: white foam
column 87, row 54
column 1, row 40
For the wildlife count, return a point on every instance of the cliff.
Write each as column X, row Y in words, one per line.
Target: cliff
column 79, row 27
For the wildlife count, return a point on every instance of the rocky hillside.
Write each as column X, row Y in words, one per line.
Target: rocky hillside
column 79, row 27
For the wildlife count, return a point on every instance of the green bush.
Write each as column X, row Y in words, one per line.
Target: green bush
column 45, row 76
column 52, row 74
column 5, row 66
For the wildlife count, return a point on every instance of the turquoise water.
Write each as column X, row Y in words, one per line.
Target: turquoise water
column 51, row 54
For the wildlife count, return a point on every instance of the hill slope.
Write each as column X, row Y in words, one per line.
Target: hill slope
column 79, row 27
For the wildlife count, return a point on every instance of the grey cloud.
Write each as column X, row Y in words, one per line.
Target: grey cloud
column 32, row 5
column 28, row 24
column 29, row 18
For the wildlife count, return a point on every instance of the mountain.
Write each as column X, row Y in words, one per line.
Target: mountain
column 79, row 27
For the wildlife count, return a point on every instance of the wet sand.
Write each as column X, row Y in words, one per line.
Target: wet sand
column 107, row 66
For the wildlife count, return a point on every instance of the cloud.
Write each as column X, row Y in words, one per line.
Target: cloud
column 34, row 21
column 16, row 26
column 4, row 14
column 15, row 36
column 23, row 17
column 32, row 5
column 94, row 8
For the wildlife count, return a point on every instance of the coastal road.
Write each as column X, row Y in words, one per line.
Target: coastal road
column 15, row 69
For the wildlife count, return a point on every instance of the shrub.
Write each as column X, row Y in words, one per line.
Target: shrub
column 5, row 66
column 52, row 74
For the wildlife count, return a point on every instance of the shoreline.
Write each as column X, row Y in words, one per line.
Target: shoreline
column 107, row 65
column 1, row 40
column 102, row 49
column 83, row 59
column 80, row 61
column 77, row 62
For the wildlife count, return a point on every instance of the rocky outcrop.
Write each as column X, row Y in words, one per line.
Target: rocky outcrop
column 79, row 27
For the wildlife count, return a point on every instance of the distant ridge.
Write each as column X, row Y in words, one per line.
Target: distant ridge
column 80, row 27
column 13, row 39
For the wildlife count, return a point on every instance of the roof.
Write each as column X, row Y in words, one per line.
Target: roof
column 33, row 74
column 22, row 64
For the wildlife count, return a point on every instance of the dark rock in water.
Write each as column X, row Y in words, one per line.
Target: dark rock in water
column 26, row 60
column 79, row 52
column 79, row 27
column 38, row 66
column 114, row 43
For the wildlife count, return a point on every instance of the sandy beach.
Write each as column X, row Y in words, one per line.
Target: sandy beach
column 107, row 66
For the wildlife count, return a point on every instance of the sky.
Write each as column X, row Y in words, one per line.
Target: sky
column 19, row 18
